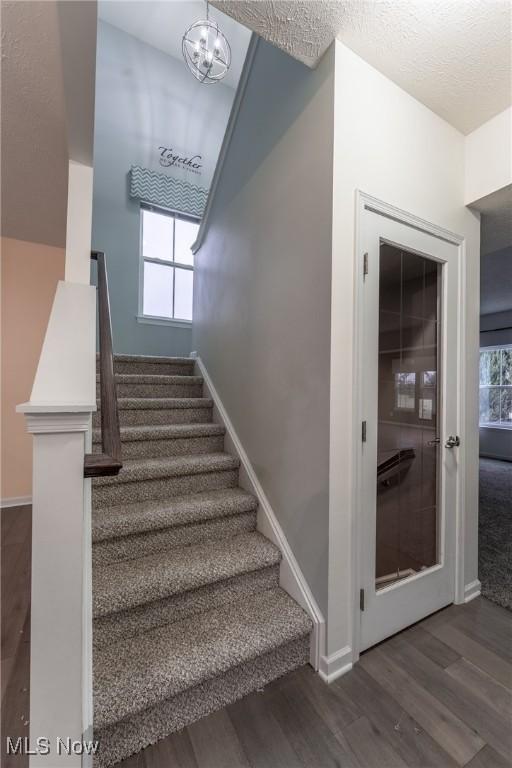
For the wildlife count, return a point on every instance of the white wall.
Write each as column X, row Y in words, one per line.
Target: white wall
column 390, row 146
column 262, row 294
column 489, row 157
column 79, row 224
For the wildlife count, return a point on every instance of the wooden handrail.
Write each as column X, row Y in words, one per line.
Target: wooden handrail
column 109, row 461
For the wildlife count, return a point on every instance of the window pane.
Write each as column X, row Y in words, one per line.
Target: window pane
column 489, row 405
column 186, row 233
column 157, row 290
column 506, row 366
column 157, row 235
column 485, row 377
column 183, row 294
column 506, row 405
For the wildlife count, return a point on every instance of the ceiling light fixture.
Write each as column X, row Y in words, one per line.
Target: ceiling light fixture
column 206, row 50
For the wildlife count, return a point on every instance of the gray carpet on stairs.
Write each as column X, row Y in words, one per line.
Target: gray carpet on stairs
column 188, row 612
column 495, row 531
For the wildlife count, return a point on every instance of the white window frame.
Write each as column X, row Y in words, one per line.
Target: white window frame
column 492, row 424
column 156, row 319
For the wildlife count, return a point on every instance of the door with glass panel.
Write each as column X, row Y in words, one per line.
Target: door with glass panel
column 409, row 446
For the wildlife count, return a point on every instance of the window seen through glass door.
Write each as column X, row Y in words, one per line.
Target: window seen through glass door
column 408, row 400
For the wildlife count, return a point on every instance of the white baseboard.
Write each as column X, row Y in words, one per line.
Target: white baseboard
column 497, row 456
column 472, row 590
column 336, row 665
column 15, row 501
column 291, row 577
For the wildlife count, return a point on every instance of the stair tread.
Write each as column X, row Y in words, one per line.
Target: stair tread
column 164, row 431
column 134, row 403
column 136, row 673
column 154, row 378
column 154, row 359
column 128, row 583
column 169, row 466
column 139, row 517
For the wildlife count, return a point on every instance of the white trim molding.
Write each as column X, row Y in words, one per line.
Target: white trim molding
column 365, row 202
column 291, row 578
column 15, row 501
column 472, row 590
column 155, row 320
column 337, row 664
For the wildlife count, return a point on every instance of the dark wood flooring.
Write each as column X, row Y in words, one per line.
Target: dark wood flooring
column 438, row 695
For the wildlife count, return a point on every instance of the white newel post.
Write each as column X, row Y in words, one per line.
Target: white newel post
column 58, row 416
column 60, row 613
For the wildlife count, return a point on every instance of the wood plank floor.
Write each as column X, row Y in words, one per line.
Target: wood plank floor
column 438, row 695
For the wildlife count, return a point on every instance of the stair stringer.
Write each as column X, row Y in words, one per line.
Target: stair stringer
column 291, row 578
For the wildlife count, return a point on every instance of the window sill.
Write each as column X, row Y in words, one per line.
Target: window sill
column 150, row 320
column 500, row 427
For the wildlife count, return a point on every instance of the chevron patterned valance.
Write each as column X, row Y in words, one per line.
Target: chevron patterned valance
column 167, row 192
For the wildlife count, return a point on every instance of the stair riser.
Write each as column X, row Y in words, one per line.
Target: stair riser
column 160, row 488
column 116, row 626
column 149, row 416
column 156, row 390
column 138, row 449
column 152, row 369
column 127, row 547
column 132, row 734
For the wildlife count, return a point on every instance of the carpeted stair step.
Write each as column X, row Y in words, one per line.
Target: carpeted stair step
column 129, row 583
column 197, row 666
column 137, row 411
column 142, row 729
column 144, row 385
column 147, row 364
column 143, row 618
column 157, row 478
column 151, row 542
column 167, row 440
column 128, row 519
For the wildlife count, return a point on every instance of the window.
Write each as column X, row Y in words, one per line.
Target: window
column 496, row 386
column 167, row 265
column 405, row 391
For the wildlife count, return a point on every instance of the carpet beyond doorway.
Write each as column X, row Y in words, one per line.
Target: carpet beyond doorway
column 495, row 531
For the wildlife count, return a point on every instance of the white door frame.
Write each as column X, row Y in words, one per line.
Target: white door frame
column 365, row 202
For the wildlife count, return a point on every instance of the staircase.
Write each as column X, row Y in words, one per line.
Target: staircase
column 187, row 609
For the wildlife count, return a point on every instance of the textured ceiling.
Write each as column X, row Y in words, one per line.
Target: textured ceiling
column 34, row 146
column 303, row 29
column 162, row 24
column 453, row 56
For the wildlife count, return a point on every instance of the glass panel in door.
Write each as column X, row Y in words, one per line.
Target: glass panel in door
column 407, row 535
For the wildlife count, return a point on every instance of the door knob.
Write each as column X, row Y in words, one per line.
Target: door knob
column 453, row 441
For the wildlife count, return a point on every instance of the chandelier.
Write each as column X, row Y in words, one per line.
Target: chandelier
column 206, row 50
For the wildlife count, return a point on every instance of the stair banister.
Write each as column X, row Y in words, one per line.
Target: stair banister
column 109, row 461
column 58, row 417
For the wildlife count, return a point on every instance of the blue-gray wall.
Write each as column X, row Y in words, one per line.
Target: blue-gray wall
column 144, row 99
column 263, row 293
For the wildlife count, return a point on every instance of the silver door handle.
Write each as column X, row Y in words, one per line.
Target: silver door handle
column 453, row 441
column 435, row 441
